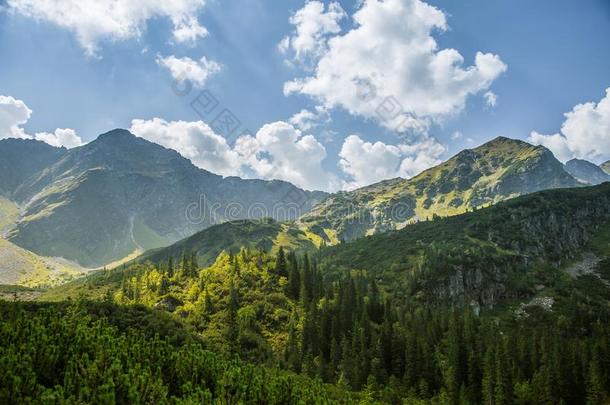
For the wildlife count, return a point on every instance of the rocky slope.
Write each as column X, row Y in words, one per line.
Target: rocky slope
column 118, row 194
column 587, row 172
column 499, row 170
column 606, row 167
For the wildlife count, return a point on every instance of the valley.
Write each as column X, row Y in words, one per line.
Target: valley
column 344, row 302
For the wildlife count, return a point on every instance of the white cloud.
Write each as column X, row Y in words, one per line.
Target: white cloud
column 280, row 151
column 194, row 140
column 312, row 25
column 14, row 113
column 187, row 69
column 277, row 151
column 189, row 31
column 366, row 163
column 585, row 134
column 491, row 98
column 307, row 119
column 93, row 21
column 61, row 137
column 389, row 68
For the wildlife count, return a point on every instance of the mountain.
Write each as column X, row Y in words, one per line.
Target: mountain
column 587, row 172
column 100, row 202
column 265, row 234
column 394, row 311
column 498, row 170
column 510, row 250
column 606, row 167
column 22, row 158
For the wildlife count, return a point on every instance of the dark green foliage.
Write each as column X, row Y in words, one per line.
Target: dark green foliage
column 373, row 317
column 74, row 354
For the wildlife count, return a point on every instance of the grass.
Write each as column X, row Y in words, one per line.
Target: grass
column 24, row 268
column 9, row 213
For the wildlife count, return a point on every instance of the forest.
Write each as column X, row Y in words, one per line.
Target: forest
column 379, row 320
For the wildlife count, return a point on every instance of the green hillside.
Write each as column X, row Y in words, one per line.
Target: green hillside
column 499, row 170
column 9, row 213
column 606, row 167
column 507, row 251
column 466, row 309
column 264, row 234
column 24, row 268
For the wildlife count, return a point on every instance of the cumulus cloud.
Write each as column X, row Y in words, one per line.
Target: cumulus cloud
column 389, row 68
column 93, row 21
column 366, row 162
column 187, row 69
column 312, row 25
column 307, row 119
column 585, row 133
column 280, row 151
column 277, row 151
column 194, row 140
column 189, row 31
column 14, row 113
column 61, row 137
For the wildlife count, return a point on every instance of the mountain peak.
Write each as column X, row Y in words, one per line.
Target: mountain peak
column 587, row 172
column 116, row 134
column 504, row 141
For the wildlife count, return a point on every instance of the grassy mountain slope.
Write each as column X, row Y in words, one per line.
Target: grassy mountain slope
column 606, row 167
column 22, row 267
column 587, row 172
column 501, row 252
column 9, row 213
column 121, row 194
column 499, row 170
column 266, row 235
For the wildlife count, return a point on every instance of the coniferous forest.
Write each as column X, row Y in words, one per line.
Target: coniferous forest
column 287, row 327
column 334, row 338
column 299, row 202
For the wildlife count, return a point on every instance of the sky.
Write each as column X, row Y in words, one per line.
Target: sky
column 328, row 95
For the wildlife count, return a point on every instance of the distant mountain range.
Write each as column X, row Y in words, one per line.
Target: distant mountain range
column 587, row 172
column 515, row 249
column 606, row 167
column 121, row 195
column 498, row 170
column 99, row 203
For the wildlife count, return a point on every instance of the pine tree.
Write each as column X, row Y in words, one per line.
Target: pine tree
column 163, row 285
column 170, row 267
column 280, row 263
column 595, row 384
column 232, row 326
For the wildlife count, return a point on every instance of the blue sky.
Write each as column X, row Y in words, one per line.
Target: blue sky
column 555, row 55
